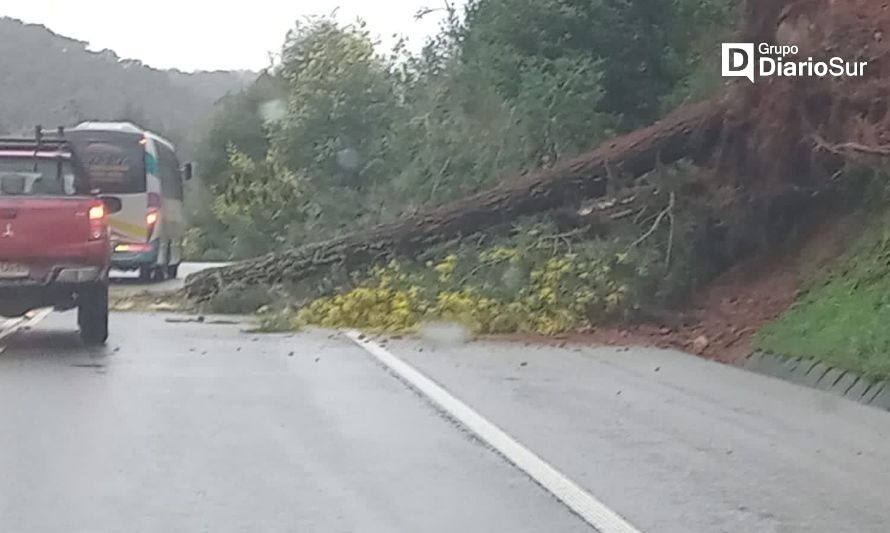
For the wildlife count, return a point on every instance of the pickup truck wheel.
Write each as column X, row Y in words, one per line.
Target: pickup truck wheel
column 92, row 314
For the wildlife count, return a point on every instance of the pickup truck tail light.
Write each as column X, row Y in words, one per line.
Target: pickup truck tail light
column 98, row 226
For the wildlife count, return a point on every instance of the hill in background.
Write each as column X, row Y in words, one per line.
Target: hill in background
column 54, row 80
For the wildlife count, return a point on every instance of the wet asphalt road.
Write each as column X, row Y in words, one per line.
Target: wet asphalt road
column 678, row 444
column 198, row 427
column 195, row 427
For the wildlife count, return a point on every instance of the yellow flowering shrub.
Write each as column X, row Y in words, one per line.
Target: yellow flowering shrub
column 555, row 293
column 446, row 268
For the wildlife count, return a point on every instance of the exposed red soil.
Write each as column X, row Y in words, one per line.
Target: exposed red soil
column 789, row 116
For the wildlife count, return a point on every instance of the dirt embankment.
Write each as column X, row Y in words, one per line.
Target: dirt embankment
column 793, row 123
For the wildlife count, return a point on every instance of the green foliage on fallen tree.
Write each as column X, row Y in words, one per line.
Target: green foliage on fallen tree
column 534, row 279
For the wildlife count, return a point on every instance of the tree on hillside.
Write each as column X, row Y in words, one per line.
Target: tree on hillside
column 341, row 103
column 636, row 52
column 236, row 125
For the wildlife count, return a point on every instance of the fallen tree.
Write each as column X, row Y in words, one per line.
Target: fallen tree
column 689, row 132
column 780, row 138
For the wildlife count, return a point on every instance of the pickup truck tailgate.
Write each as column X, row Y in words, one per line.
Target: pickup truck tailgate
column 35, row 228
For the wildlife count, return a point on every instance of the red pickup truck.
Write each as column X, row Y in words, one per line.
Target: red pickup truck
column 54, row 240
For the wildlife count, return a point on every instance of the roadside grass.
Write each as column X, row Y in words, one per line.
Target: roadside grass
column 842, row 316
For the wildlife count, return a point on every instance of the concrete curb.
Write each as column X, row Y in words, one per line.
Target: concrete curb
column 811, row 373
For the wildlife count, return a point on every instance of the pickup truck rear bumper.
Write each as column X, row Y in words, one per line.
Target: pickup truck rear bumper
column 18, row 296
column 72, row 274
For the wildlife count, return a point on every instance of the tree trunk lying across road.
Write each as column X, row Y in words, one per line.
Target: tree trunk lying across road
column 690, row 131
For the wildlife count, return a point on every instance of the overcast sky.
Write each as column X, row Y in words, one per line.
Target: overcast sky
column 210, row 34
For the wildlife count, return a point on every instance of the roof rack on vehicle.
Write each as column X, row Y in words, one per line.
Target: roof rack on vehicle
column 49, row 139
column 43, row 141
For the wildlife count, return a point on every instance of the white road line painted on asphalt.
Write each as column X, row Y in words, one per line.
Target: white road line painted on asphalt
column 9, row 327
column 14, row 325
column 581, row 502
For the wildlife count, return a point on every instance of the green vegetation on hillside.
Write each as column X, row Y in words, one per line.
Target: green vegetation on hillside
column 506, row 87
column 842, row 316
